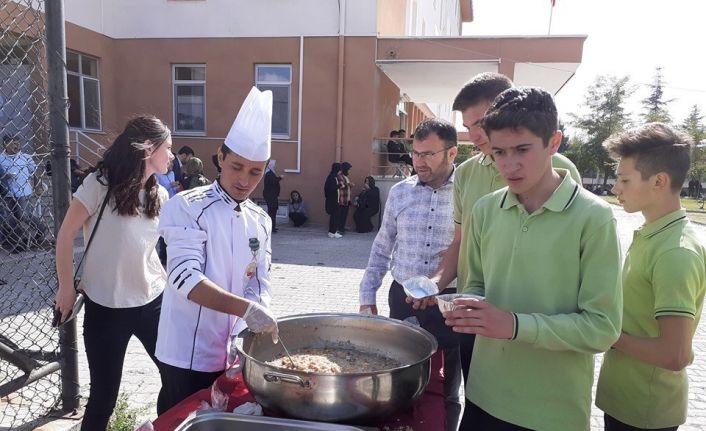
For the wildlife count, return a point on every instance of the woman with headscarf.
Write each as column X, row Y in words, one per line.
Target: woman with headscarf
column 271, row 192
column 344, row 196
column 331, row 197
column 368, row 204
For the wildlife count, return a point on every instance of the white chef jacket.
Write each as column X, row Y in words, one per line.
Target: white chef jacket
column 207, row 238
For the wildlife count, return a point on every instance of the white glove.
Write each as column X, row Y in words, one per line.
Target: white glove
column 260, row 319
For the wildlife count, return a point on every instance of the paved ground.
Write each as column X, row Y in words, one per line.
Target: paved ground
column 315, row 273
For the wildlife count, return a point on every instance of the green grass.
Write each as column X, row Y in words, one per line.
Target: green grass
column 691, row 205
column 124, row 417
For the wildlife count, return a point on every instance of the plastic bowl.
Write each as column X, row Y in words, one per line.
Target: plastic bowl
column 446, row 302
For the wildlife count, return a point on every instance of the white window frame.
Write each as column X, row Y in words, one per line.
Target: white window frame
column 279, row 84
column 176, row 82
column 81, row 78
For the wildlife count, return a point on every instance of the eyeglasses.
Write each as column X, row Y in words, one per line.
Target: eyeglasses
column 426, row 154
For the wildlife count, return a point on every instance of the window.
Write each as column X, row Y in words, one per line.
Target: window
column 189, row 98
column 278, row 79
column 83, row 87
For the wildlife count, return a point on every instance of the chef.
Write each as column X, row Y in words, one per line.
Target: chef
column 219, row 256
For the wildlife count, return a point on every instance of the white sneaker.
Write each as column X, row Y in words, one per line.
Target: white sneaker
column 331, row 235
column 337, row 235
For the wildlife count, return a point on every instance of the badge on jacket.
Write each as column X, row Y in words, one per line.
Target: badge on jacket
column 254, row 245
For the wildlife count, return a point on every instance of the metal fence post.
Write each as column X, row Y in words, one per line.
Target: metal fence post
column 61, row 178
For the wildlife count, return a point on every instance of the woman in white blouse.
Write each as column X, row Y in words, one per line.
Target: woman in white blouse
column 122, row 276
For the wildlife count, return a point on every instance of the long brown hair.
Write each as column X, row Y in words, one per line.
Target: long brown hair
column 123, row 166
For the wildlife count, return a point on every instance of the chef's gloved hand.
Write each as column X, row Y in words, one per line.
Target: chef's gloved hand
column 260, row 319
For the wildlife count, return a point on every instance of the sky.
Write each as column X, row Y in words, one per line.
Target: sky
column 625, row 37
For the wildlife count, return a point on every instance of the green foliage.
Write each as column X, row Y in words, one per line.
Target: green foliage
column 655, row 107
column 124, row 418
column 694, row 127
column 605, row 105
column 465, row 152
column 604, row 114
column 578, row 153
column 564, row 138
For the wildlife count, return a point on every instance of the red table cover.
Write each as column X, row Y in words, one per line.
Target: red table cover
column 427, row 414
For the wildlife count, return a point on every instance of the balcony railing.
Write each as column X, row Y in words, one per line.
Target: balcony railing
column 383, row 164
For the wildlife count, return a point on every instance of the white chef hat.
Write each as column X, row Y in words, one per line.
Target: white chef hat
column 250, row 135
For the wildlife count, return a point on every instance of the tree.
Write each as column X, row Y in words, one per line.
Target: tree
column 577, row 152
column 604, row 116
column 465, row 152
column 564, row 138
column 694, row 127
column 655, row 107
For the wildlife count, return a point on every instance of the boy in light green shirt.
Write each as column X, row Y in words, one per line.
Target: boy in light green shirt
column 475, row 178
column 643, row 382
column 546, row 257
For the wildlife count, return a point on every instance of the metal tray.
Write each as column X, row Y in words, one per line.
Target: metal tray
column 221, row 421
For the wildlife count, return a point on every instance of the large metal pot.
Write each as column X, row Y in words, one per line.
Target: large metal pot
column 360, row 397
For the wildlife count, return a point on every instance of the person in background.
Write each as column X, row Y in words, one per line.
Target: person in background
column 193, row 174
column 23, row 181
column 297, row 211
column 7, row 220
column 344, row 196
column 393, row 150
column 168, row 181
column 397, row 150
column 643, row 382
column 184, row 154
column 271, row 192
column 367, row 205
column 331, row 200
column 122, row 277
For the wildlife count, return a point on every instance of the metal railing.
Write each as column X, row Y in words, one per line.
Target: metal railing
column 382, row 166
column 84, row 149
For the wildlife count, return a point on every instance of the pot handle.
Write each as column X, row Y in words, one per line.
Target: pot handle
column 286, row 378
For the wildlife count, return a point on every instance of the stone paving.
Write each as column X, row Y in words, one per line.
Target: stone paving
column 312, row 272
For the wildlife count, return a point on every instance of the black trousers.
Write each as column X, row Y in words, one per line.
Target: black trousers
column 361, row 217
column 297, row 219
column 432, row 320
column 612, row 424
column 179, row 383
column 342, row 218
column 272, row 205
column 477, row 419
column 106, row 332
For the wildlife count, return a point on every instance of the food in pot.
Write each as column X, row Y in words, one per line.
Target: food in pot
column 335, row 361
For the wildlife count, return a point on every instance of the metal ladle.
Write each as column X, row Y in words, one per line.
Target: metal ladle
column 285, row 350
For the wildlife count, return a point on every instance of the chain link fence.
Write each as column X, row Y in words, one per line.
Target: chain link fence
column 30, row 382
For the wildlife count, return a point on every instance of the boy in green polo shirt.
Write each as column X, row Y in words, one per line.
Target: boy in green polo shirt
column 546, row 257
column 475, row 178
column 643, row 383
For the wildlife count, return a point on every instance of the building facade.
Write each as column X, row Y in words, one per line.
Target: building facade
column 343, row 73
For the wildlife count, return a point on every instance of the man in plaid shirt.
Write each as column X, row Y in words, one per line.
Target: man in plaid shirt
column 416, row 228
